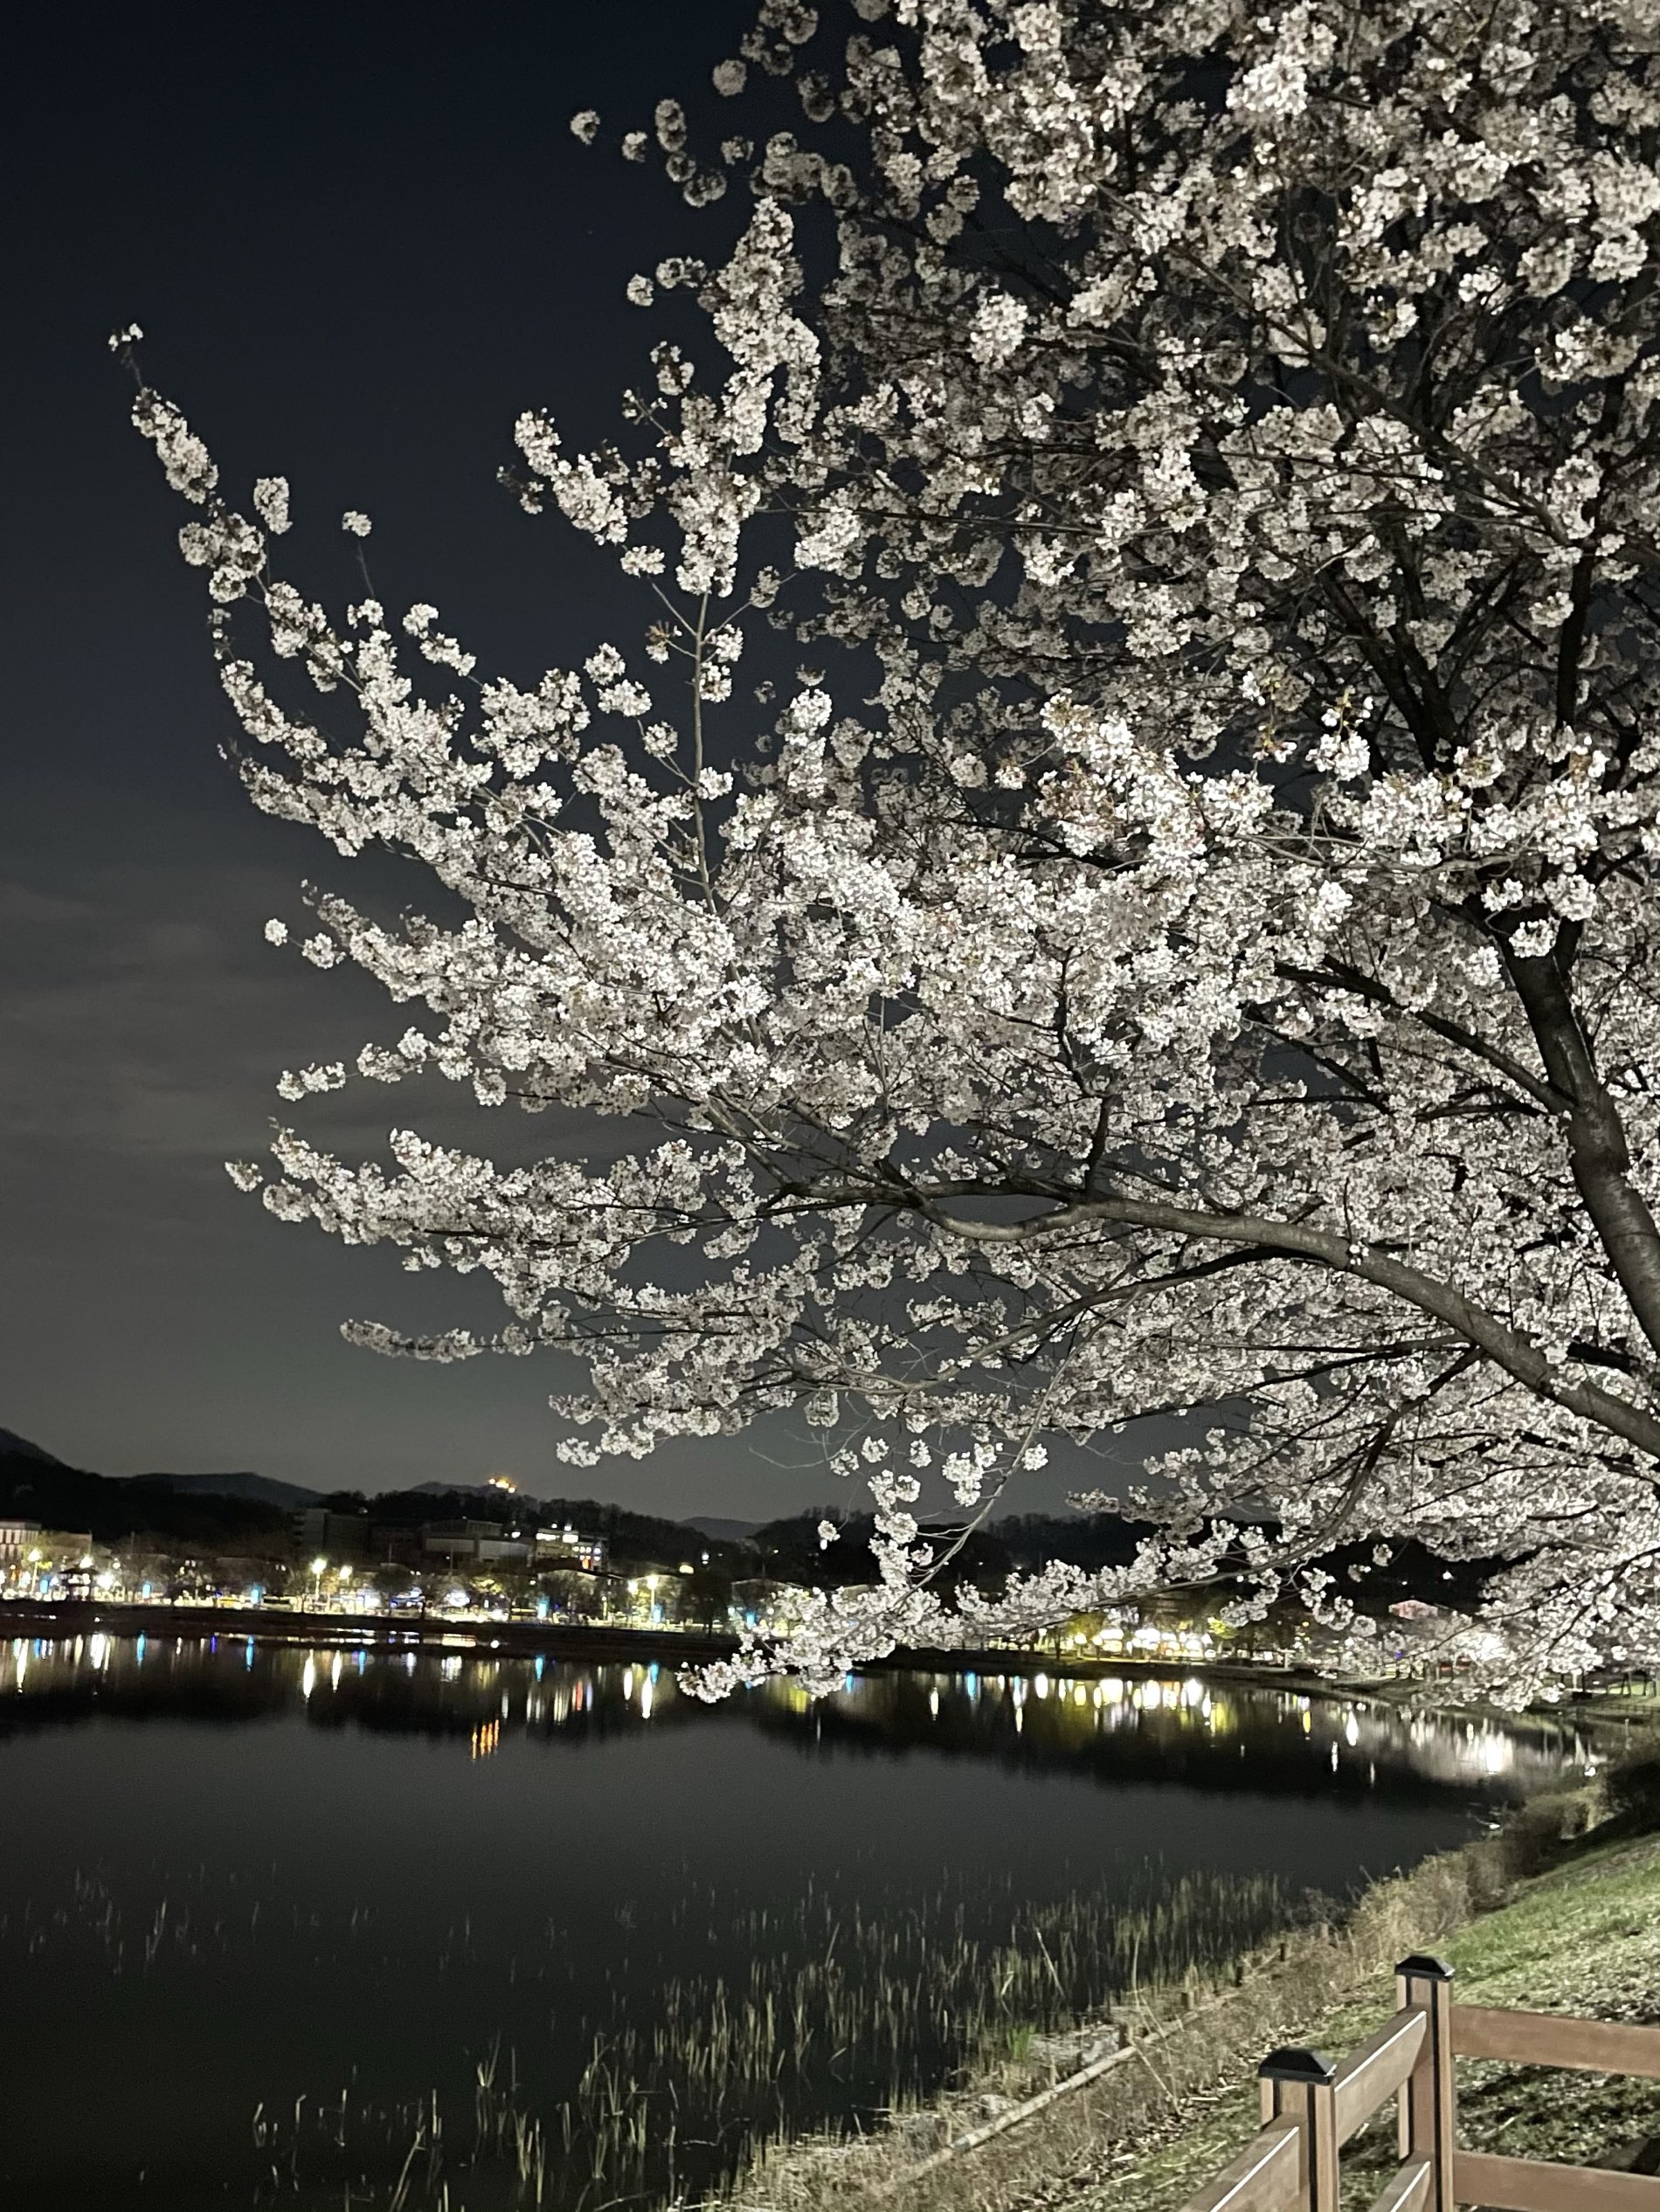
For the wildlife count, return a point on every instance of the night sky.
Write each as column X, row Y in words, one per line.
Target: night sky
column 360, row 239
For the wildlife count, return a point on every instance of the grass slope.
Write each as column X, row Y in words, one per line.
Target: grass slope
column 1584, row 1937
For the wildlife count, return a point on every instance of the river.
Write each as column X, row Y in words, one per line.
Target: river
column 444, row 1932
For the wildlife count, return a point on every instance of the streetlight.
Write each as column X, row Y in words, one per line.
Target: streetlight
column 319, row 1568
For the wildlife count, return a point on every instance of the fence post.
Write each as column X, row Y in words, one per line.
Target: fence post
column 1296, row 2086
column 1426, row 2108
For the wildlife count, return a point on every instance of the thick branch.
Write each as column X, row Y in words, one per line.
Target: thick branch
column 1597, row 1149
column 1508, row 1348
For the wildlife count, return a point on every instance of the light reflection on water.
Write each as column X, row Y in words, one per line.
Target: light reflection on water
column 305, row 1915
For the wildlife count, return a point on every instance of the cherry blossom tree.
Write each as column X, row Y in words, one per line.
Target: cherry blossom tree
column 1186, row 941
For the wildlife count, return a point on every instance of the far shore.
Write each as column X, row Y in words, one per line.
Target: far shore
column 588, row 1641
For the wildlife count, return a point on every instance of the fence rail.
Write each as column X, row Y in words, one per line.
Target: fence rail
column 1311, row 2108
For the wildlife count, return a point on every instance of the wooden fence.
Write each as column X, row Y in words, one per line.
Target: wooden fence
column 1311, row 2108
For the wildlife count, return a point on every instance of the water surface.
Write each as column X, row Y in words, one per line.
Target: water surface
column 415, row 1929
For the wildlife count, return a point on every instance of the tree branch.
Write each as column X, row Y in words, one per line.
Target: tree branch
column 1508, row 1348
column 1597, row 1150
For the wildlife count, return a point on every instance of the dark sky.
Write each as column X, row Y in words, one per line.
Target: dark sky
column 359, row 238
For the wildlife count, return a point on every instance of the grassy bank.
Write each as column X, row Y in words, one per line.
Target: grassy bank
column 1561, row 1911
column 1583, row 1938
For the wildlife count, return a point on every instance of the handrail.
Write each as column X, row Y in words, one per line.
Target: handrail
column 1311, row 2108
column 1556, row 2039
column 1532, row 2185
column 1380, row 2066
column 1408, row 2189
column 1263, row 2178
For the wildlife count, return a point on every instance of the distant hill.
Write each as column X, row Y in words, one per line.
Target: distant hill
column 114, row 1508
column 726, row 1531
column 257, row 1490
column 639, row 1542
column 15, row 1447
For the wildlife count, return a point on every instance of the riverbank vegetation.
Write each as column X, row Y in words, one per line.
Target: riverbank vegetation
column 1558, row 1910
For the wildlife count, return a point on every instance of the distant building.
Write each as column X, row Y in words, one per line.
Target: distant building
column 568, row 1547
column 486, row 1541
column 323, row 1533
column 18, row 1539
column 32, row 1554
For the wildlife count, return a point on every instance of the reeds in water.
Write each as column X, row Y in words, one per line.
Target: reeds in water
column 844, row 2012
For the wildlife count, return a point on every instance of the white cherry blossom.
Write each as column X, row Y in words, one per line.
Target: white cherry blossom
column 1187, row 944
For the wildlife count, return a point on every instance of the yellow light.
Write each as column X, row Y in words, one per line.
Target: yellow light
column 320, row 1566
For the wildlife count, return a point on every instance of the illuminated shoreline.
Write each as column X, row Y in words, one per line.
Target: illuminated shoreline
column 531, row 1638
